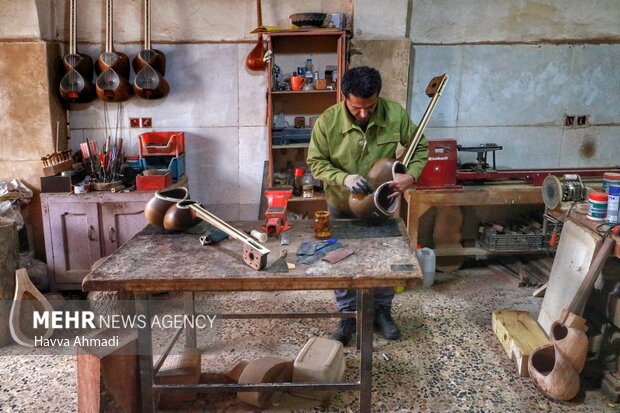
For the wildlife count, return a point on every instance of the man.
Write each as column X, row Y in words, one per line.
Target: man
column 347, row 140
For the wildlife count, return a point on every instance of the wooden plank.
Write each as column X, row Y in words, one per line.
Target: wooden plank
column 108, row 376
column 540, row 292
column 519, row 334
column 505, row 275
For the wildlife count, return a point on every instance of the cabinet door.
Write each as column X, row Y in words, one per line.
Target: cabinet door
column 75, row 242
column 120, row 222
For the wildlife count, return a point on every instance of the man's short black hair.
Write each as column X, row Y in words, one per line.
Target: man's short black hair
column 363, row 82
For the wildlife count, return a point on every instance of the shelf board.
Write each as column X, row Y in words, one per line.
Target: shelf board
column 317, row 197
column 300, row 92
column 291, row 146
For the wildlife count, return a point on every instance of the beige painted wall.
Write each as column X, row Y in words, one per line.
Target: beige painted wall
column 29, row 111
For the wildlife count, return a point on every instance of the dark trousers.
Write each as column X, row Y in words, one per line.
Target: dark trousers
column 345, row 299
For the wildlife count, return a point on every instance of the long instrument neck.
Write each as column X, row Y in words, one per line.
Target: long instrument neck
column 424, row 121
column 73, row 27
column 259, row 14
column 147, row 24
column 109, row 26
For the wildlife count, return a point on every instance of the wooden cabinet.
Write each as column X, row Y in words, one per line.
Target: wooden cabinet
column 80, row 229
column 326, row 47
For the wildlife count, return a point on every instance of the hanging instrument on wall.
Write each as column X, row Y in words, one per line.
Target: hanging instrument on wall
column 378, row 205
column 76, row 86
column 112, row 83
column 255, row 61
column 149, row 65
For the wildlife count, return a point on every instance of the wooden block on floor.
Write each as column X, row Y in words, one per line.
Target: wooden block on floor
column 108, row 377
column 182, row 368
column 519, row 334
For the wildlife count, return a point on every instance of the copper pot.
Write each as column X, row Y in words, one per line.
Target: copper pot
column 157, row 207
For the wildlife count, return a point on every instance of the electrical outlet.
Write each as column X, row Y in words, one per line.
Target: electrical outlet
column 569, row 121
column 147, row 122
column 582, row 120
column 134, row 122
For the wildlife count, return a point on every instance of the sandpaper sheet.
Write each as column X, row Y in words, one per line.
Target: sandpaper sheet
column 338, row 255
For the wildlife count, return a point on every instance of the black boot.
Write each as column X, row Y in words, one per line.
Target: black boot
column 345, row 331
column 385, row 324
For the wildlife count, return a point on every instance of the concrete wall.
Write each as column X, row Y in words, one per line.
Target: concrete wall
column 517, row 68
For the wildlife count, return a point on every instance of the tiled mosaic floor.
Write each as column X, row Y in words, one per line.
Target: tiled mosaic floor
column 448, row 359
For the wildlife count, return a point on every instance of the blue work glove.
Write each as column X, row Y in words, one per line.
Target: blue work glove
column 356, row 184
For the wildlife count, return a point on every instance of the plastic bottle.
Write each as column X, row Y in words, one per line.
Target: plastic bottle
column 426, row 257
column 309, row 70
column 307, row 185
column 297, row 185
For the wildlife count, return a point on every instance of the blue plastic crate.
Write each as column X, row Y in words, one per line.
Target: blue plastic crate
column 175, row 164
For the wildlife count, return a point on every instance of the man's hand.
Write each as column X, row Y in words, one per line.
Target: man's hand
column 356, row 184
column 400, row 184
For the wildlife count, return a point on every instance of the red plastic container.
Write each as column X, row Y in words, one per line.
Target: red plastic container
column 153, row 182
column 162, row 144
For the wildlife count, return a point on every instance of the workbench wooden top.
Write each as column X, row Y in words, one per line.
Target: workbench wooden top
column 178, row 262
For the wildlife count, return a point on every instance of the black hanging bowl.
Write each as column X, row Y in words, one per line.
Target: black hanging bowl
column 308, row 19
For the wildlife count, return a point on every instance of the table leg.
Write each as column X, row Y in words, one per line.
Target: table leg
column 190, row 311
column 414, row 213
column 145, row 351
column 358, row 319
column 366, row 312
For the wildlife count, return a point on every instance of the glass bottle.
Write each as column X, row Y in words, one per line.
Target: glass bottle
column 321, row 225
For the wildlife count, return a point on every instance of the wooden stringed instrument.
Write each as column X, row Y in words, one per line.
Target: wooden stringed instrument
column 112, row 83
column 255, row 61
column 149, row 65
column 76, row 86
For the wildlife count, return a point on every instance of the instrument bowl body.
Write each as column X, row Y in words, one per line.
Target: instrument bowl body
column 376, row 206
column 157, row 207
column 80, row 62
column 552, row 373
column 179, row 219
column 150, row 84
column 117, row 61
column 152, row 57
column 76, row 85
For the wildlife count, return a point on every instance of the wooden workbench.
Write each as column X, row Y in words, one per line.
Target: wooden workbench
column 581, row 219
column 153, row 261
column 419, row 201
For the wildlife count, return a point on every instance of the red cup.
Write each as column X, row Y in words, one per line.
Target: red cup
column 297, row 82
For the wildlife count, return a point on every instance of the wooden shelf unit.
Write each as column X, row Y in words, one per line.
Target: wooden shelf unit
column 296, row 46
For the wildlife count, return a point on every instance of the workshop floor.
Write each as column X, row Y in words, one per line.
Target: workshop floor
column 448, row 359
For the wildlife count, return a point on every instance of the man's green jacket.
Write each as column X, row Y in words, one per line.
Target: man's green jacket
column 339, row 147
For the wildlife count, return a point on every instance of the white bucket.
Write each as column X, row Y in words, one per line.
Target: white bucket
column 426, row 257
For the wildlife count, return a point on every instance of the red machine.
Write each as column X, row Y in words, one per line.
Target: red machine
column 442, row 172
column 277, row 200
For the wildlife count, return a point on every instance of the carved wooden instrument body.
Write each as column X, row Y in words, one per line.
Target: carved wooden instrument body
column 76, row 86
column 150, row 65
column 112, row 83
column 377, row 205
column 255, row 61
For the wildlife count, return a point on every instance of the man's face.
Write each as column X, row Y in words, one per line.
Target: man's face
column 361, row 108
